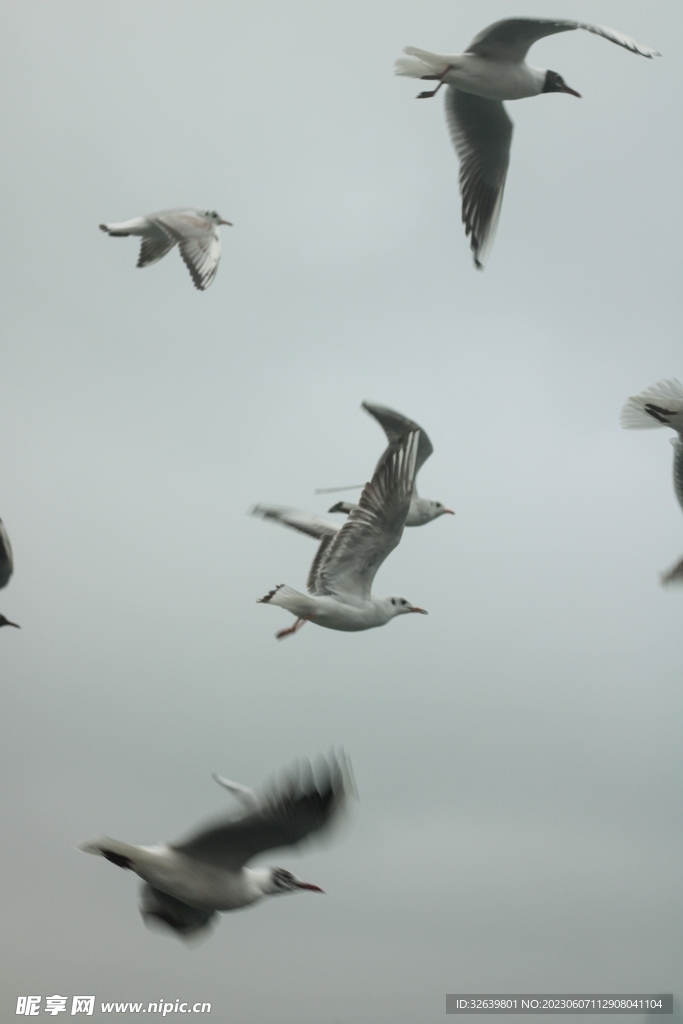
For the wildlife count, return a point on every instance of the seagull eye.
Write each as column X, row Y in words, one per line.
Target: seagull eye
column 393, row 600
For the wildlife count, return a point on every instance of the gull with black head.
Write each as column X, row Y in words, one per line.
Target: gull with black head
column 343, row 570
column 493, row 68
column 187, row 883
column 195, row 232
column 396, row 426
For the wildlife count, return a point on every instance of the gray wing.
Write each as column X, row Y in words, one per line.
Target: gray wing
column 511, row 38
column 198, row 240
column 373, row 529
column 396, row 426
column 6, row 560
column 296, row 519
column 678, row 468
column 481, row 132
column 305, row 522
column 674, row 574
column 159, row 907
column 154, row 248
column 247, row 797
column 305, row 801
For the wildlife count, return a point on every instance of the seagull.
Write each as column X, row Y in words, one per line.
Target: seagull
column 396, row 426
column 6, row 568
column 340, row 579
column 194, row 231
column 493, row 69
column 661, row 406
column 189, row 881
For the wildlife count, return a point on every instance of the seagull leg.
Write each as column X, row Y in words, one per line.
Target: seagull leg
column 292, row 629
column 433, row 78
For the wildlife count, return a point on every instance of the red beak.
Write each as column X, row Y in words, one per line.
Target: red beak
column 309, row 885
column 449, row 512
column 229, row 223
column 572, row 92
column 422, row 611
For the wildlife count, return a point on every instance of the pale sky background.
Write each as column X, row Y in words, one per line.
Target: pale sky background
column 517, row 752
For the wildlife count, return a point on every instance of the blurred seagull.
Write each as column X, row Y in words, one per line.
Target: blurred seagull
column 493, row 69
column 194, row 231
column 188, row 882
column 661, row 406
column 396, row 426
column 6, row 568
column 340, row 579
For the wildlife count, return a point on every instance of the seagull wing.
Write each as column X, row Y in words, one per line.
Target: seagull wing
column 304, row 522
column 247, row 797
column 678, row 468
column 296, row 519
column 511, row 38
column 198, row 240
column 6, row 560
column 186, row 920
column 302, row 803
column 481, row 132
column 396, row 426
column 373, row 529
column 154, row 247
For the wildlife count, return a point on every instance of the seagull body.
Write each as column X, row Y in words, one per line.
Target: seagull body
column 343, row 570
column 6, row 568
column 189, row 881
column 195, row 232
column 661, row 406
column 396, row 427
column 493, row 69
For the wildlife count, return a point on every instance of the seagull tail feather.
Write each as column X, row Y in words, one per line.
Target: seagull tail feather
column 658, row 406
column 122, row 854
column 286, row 597
column 419, row 63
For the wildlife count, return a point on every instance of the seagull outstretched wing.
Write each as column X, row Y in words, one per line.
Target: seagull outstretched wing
column 303, row 802
column 374, row 528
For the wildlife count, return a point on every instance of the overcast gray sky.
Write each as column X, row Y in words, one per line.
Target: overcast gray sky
column 517, row 752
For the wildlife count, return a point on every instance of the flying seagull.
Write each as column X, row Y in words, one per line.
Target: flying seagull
column 189, row 881
column 661, row 406
column 194, row 231
column 493, row 69
column 6, row 568
column 396, row 426
column 340, row 579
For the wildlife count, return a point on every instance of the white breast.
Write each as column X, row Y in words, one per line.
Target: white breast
column 198, row 883
column 496, row 79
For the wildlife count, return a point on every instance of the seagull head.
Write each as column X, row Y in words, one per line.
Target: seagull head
column 556, row 83
column 216, row 218
column 401, row 606
column 6, row 622
column 434, row 509
column 280, row 881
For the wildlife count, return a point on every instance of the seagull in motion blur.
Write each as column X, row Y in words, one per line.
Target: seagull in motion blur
column 189, row 881
column 6, row 568
column 661, row 406
column 195, row 232
column 492, row 69
column 340, row 579
column 396, row 427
